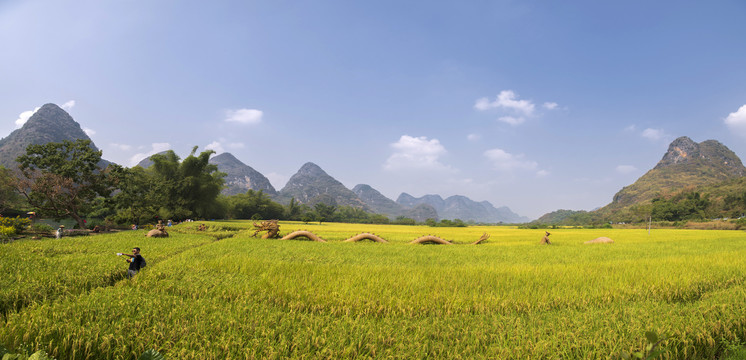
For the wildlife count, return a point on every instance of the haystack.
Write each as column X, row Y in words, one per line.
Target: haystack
column 600, row 240
column 157, row 233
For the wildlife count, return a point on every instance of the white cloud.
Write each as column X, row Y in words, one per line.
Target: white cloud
column 625, row 169
column 631, row 128
column 24, row 116
column 542, row 173
column 122, row 147
column 216, row 146
column 473, row 137
column 654, row 134
column 244, row 116
column 89, row 132
column 155, row 148
column 550, row 105
column 416, row 152
column 506, row 99
column 68, row 105
column 238, row 145
column 737, row 120
column 515, row 121
column 483, row 104
column 505, row 161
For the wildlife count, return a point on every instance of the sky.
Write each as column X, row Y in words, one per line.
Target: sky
column 534, row 105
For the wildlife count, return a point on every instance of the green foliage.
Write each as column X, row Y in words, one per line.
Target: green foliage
column 9, row 198
column 41, row 228
column 19, row 224
column 6, row 354
column 682, row 206
column 151, row 354
column 324, row 211
column 254, row 205
column 446, row 223
column 403, row 220
column 170, row 189
column 7, row 232
column 62, row 179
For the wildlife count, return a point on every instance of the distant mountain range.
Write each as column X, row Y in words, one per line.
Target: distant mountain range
column 309, row 185
column 707, row 165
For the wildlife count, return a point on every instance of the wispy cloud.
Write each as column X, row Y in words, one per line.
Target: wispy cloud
column 215, row 146
column 736, row 121
column 220, row 145
column 89, row 131
column 514, row 110
column 244, row 116
column 626, row 169
column 550, row 105
column 473, row 137
column 515, row 121
column 506, row 99
column 416, row 152
column 507, row 162
column 654, row 134
column 68, row 105
column 121, row 147
column 155, row 148
column 24, row 116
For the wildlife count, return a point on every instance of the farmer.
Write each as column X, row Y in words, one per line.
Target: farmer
column 136, row 261
column 59, row 232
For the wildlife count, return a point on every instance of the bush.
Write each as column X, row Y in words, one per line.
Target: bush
column 18, row 223
column 39, row 228
column 7, row 232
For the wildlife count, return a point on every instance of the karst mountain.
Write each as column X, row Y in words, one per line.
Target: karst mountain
column 49, row 123
column 686, row 165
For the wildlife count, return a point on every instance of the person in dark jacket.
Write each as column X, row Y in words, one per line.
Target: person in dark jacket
column 136, row 261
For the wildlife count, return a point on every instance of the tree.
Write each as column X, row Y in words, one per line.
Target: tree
column 293, row 211
column 254, row 205
column 62, row 179
column 324, row 211
column 9, row 197
column 138, row 199
column 171, row 189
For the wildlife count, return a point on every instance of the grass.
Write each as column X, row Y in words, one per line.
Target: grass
column 243, row 297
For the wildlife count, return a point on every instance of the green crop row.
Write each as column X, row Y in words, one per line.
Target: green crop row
column 35, row 271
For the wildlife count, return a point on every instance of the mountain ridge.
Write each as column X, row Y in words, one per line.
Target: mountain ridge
column 51, row 123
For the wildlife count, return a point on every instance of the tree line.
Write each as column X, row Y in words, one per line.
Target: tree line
column 69, row 180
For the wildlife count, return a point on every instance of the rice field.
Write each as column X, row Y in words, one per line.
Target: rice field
column 210, row 295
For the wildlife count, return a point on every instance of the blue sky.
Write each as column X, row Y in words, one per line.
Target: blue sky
column 534, row 105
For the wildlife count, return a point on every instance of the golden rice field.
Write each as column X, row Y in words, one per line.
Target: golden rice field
column 223, row 294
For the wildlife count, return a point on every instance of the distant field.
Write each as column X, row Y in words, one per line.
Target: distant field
column 211, row 295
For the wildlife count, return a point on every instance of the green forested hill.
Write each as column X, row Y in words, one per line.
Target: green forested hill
column 691, row 181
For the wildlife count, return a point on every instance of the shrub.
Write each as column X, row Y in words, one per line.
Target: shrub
column 18, row 223
column 41, row 228
column 7, row 232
